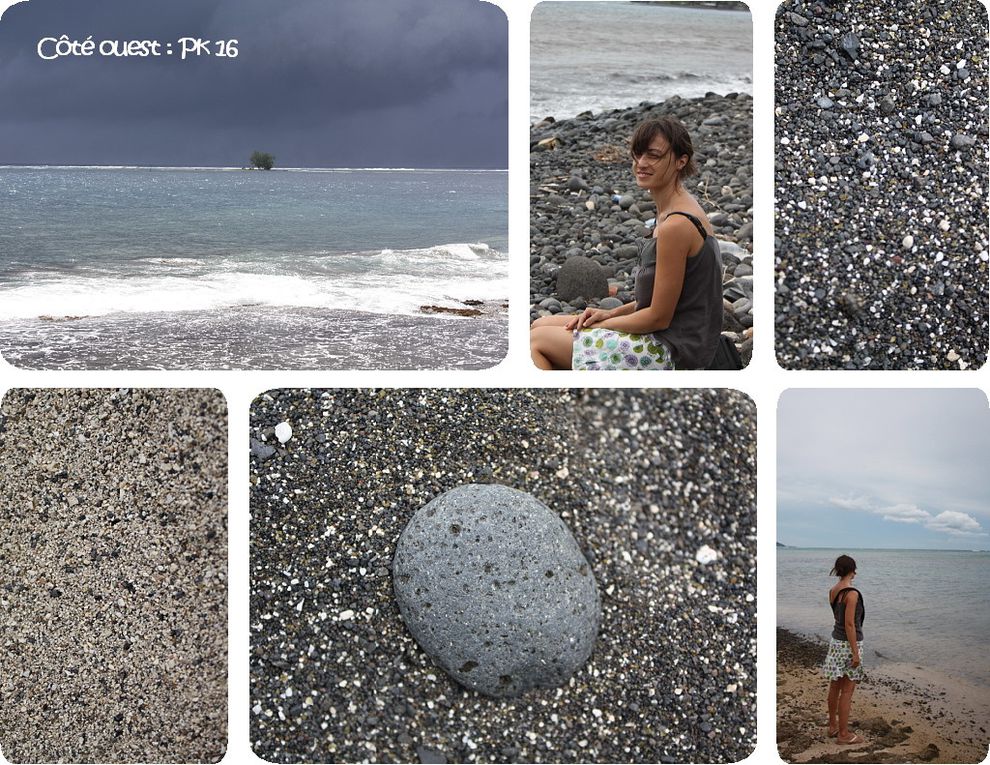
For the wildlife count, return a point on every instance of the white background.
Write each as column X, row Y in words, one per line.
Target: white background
column 763, row 380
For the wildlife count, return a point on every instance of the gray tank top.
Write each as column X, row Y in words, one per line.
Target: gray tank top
column 697, row 322
column 839, row 612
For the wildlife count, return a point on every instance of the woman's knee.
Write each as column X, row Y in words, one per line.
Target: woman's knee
column 553, row 343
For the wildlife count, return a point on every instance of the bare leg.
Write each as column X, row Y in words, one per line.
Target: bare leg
column 833, row 706
column 551, row 347
column 554, row 320
column 845, row 704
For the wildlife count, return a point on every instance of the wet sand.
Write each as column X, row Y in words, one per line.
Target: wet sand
column 904, row 713
column 262, row 337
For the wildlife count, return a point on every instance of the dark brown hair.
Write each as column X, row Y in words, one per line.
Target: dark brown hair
column 844, row 565
column 677, row 136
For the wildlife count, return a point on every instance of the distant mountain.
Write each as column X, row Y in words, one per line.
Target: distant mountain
column 779, row 544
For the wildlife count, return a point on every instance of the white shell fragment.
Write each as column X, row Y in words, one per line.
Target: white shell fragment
column 283, row 432
column 705, row 555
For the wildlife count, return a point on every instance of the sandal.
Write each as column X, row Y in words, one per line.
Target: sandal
column 833, row 732
column 856, row 739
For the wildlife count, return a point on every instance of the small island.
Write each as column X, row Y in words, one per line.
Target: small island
column 262, row 160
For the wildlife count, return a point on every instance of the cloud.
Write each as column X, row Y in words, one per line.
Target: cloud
column 905, row 514
column 956, row 524
column 947, row 522
column 852, row 503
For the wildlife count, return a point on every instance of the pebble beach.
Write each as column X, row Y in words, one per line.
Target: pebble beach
column 667, row 522
column 584, row 200
column 881, row 177
column 113, row 576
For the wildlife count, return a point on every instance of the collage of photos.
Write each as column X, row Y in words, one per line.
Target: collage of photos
column 291, row 472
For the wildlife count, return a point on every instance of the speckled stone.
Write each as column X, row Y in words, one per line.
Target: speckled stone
column 492, row 585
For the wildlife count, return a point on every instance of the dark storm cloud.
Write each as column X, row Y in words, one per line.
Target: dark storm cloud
column 316, row 82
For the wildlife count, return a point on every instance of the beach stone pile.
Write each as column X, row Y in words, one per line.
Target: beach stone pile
column 584, row 202
column 492, row 585
column 657, row 488
column 881, row 175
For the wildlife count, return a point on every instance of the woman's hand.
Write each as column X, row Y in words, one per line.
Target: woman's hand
column 855, row 660
column 589, row 318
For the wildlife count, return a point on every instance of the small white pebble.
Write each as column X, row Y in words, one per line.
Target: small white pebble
column 283, row 432
column 705, row 555
column 907, row 242
column 961, row 64
column 944, row 69
column 803, row 205
column 863, row 137
column 952, row 356
column 345, row 615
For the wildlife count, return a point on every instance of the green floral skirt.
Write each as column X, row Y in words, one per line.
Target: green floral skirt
column 838, row 662
column 597, row 348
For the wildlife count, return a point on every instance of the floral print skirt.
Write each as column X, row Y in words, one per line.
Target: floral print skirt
column 838, row 662
column 597, row 348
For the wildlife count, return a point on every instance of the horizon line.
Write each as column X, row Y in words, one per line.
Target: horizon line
column 245, row 167
column 904, row 549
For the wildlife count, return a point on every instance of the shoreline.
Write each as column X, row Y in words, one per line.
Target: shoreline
column 904, row 713
column 260, row 337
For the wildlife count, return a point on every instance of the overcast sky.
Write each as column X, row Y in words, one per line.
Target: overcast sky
column 317, row 83
column 884, row 468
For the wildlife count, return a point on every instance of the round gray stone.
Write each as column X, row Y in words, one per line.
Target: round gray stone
column 581, row 277
column 493, row 586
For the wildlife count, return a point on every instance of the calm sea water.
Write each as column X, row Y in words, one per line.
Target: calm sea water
column 145, row 243
column 607, row 55
column 926, row 607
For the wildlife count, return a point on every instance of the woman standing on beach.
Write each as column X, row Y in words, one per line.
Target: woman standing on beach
column 676, row 319
column 843, row 666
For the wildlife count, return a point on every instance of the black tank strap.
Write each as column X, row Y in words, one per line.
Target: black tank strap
column 693, row 219
column 847, row 589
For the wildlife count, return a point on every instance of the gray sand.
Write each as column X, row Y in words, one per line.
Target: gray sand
column 113, row 576
column 644, row 479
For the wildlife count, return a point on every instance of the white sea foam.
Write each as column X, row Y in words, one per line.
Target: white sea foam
column 390, row 281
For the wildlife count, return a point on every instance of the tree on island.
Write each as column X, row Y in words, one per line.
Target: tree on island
column 262, row 160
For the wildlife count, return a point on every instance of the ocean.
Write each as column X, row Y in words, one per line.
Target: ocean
column 929, row 608
column 609, row 55
column 177, row 268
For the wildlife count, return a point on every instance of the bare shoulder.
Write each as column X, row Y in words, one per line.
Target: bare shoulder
column 677, row 233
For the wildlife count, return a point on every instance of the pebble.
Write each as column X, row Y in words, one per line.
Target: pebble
column 492, row 585
column 283, row 432
column 706, row 555
column 907, row 242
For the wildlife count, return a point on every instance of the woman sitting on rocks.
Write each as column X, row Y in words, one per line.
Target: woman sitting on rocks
column 676, row 319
